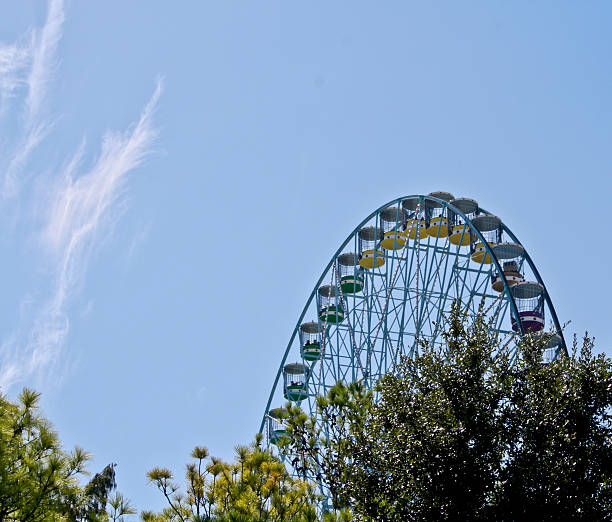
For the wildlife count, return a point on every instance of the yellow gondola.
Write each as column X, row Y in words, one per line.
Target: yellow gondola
column 393, row 240
column 370, row 254
column 480, row 255
column 438, row 222
column 414, row 228
column 460, row 235
column 392, row 220
column 488, row 226
column 438, row 227
column 372, row 259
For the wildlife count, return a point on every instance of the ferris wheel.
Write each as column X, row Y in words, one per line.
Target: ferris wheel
column 392, row 283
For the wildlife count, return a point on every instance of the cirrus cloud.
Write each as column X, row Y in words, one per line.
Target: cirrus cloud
column 77, row 208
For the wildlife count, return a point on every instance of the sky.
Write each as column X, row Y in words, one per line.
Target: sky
column 175, row 177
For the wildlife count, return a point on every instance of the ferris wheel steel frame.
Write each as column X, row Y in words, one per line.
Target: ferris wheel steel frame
column 421, row 308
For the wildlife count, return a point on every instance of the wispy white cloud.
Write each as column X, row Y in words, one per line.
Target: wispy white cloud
column 81, row 204
column 81, row 208
column 28, row 142
column 76, row 206
column 14, row 59
column 44, row 61
column 40, row 55
column 137, row 241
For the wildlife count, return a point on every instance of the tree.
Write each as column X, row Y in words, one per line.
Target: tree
column 120, row 506
column 255, row 487
column 38, row 479
column 560, row 431
column 466, row 432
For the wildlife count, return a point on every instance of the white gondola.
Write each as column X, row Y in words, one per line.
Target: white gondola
column 310, row 341
column 510, row 256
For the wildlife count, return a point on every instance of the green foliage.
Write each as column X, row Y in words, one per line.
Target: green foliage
column 97, row 492
column 120, row 506
column 464, row 432
column 36, row 476
column 560, row 438
column 255, row 487
column 38, row 479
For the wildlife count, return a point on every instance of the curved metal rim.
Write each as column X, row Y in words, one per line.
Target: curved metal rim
column 472, row 227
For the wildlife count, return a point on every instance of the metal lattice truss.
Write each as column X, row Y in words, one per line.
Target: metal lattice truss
column 406, row 293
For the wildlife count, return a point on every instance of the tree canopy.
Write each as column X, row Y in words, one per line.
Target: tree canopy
column 467, row 431
column 255, row 487
column 39, row 481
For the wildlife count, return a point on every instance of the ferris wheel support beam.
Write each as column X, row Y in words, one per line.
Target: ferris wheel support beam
column 433, row 279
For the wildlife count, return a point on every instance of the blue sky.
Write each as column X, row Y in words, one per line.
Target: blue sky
column 176, row 176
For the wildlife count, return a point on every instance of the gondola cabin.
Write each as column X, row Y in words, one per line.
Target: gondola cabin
column 329, row 305
column 552, row 348
column 310, row 341
column 415, row 228
column 460, row 232
column 529, row 299
column 510, row 257
column 489, row 227
column 277, row 418
column 393, row 220
column 295, row 377
column 371, row 255
column 437, row 214
column 351, row 273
